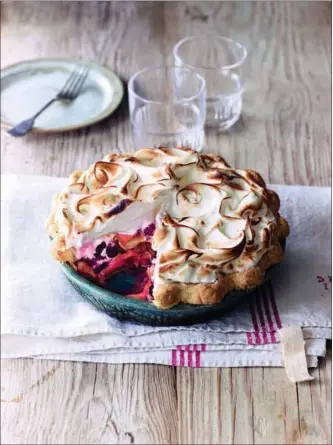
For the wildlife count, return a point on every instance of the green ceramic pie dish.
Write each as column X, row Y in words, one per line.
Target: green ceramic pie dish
column 125, row 308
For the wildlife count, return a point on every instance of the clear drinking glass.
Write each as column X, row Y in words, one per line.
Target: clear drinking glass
column 220, row 61
column 167, row 107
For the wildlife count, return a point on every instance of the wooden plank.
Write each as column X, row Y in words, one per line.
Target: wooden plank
column 253, row 406
column 286, row 104
column 195, row 389
column 88, row 403
column 46, row 401
column 123, row 36
column 287, row 98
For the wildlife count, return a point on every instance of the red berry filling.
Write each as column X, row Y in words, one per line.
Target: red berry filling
column 120, row 262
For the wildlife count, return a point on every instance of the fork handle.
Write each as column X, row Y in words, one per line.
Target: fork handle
column 23, row 127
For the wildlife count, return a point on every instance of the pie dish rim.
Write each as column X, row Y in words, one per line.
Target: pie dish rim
column 142, row 311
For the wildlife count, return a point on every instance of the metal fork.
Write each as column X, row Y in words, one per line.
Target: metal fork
column 69, row 92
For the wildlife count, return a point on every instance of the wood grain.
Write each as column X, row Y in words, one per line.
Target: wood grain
column 87, row 403
column 285, row 133
column 253, row 406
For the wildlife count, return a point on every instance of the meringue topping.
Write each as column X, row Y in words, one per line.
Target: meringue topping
column 211, row 219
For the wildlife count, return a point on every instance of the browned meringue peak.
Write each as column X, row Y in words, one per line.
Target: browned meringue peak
column 211, row 218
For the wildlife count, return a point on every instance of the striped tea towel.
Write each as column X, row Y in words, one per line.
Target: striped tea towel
column 44, row 317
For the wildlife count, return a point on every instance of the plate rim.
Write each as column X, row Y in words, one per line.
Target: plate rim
column 105, row 71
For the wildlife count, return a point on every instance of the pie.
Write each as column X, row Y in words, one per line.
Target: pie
column 168, row 225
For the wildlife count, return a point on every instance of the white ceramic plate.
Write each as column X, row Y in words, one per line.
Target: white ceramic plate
column 28, row 85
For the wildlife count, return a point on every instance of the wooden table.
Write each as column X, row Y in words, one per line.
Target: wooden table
column 286, row 135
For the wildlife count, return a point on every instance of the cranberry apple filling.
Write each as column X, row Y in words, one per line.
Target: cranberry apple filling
column 120, row 262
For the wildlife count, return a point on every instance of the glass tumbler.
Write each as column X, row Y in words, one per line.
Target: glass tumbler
column 167, row 107
column 220, row 61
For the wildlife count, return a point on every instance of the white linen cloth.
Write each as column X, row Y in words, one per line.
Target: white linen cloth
column 42, row 316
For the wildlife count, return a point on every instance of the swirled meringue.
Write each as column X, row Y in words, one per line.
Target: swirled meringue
column 211, row 219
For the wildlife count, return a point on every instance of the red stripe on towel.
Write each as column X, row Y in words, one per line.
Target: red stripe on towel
column 249, row 338
column 182, row 358
column 274, row 306
column 255, row 324
column 261, row 317
column 197, row 359
column 269, row 316
column 174, row 357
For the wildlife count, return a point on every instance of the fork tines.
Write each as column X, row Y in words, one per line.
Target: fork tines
column 75, row 82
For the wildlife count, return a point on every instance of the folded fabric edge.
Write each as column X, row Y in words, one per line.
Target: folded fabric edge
column 205, row 361
column 16, row 347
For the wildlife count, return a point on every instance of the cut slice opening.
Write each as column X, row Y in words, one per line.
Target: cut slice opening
column 122, row 263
